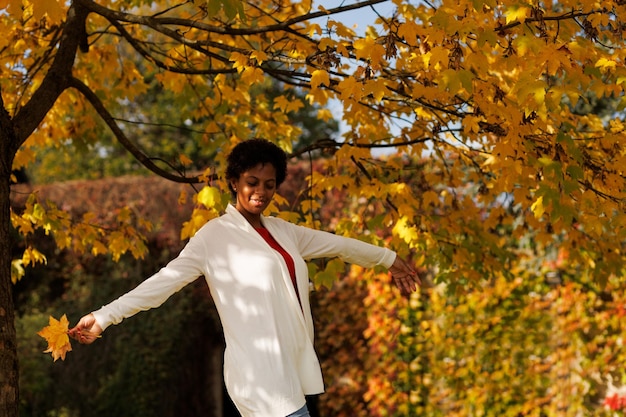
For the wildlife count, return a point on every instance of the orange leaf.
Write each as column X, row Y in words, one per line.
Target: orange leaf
column 56, row 336
column 53, row 8
column 185, row 160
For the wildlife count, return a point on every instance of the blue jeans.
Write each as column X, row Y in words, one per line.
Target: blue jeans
column 303, row 412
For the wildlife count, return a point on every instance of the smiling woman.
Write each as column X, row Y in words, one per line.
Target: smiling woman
column 255, row 267
column 255, row 189
column 253, row 177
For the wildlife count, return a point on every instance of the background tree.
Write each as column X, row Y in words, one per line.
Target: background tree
column 485, row 89
column 546, row 342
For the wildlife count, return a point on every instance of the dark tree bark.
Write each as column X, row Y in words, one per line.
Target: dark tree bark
column 8, row 340
column 13, row 133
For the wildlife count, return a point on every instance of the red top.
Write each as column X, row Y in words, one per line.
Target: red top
column 288, row 259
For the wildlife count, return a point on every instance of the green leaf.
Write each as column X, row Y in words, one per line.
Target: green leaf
column 466, row 78
column 231, row 8
column 575, row 172
column 333, row 270
column 214, row 7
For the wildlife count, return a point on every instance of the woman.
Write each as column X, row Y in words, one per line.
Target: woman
column 256, row 272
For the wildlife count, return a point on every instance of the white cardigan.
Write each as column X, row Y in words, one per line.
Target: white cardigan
column 269, row 362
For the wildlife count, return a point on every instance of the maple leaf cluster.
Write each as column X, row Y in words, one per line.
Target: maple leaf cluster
column 56, row 334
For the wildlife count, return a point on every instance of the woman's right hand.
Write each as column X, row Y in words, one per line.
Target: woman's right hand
column 87, row 330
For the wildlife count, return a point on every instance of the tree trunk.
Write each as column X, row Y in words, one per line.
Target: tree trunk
column 13, row 133
column 8, row 339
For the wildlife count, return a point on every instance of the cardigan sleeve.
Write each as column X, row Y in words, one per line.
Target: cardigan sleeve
column 153, row 292
column 319, row 244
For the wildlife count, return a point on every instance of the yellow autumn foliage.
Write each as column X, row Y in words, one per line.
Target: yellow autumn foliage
column 503, row 117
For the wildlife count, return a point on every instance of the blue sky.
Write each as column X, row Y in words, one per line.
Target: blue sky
column 358, row 20
column 361, row 17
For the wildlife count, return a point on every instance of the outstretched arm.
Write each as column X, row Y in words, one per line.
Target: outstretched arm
column 87, row 330
column 404, row 276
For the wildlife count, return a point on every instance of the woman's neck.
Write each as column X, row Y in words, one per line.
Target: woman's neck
column 254, row 220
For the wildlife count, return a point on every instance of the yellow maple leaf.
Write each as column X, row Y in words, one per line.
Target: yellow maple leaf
column 369, row 49
column 54, row 9
column 377, row 87
column 98, row 248
column 350, row 88
column 281, row 103
column 240, row 61
column 57, row 337
column 209, row 196
column 260, row 56
column 319, row 77
column 517, row 13
column 410, row 32
column 17, row 270
column 252, row 75
column 405, row 230
column 318, row 95
column 537, row 208
column 287, row 105
column 605, row 63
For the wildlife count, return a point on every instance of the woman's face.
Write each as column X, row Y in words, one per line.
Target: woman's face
column 255, row 189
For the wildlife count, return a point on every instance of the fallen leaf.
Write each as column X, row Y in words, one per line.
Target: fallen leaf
column 56, row 334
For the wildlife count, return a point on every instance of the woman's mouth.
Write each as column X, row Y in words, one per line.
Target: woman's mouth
column 257, row 202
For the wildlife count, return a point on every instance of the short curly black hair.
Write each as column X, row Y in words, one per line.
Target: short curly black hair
column 250, row 153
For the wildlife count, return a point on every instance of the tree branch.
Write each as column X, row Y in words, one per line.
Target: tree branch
column 146, row 161
column 565, row 16
column 28, row 118
column 10, row 146
column 160, row 64
column 158, row 22
column 365, row 172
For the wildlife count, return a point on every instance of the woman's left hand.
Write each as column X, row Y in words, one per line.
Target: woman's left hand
column 404, row 276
